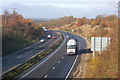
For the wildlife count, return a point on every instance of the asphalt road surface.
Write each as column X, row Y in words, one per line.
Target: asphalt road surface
column 56, row 64
column 14, row 59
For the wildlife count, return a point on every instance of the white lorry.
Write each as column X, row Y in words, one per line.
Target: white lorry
column 71, row 47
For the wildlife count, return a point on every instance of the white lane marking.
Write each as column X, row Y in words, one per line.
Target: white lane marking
column 53, row 68
column 62, row 57
column 27, row 47
column 71, row 68
column 36, row 54
column 45, row 76
column 19, row 56
column 29, row 52
column 51, row 44
column 10, row 60
column 58, row 61
column 45, row 59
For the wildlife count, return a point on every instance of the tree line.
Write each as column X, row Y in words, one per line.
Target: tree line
column 18, row 32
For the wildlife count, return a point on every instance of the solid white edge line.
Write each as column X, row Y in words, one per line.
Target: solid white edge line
column 45, row 59
column 71, row 68
column 58, row 61
column 53, row 67
column 45, row 76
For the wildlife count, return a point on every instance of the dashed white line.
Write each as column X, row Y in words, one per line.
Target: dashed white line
column 26, row 47
column 29, row 52
column 62, row 57
column 53, row 68
column 10, row 60
column 58, row 61
column 45, row 76
column 19, row 56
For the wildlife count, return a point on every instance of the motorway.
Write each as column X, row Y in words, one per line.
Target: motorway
column 56, row 64
column 14, row 59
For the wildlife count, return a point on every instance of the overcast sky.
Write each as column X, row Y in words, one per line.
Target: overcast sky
column 60, row 8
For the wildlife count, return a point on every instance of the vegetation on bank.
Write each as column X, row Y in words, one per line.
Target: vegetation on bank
column 105, row 65
column 18, row 32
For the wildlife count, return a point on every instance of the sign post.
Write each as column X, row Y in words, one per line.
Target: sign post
column 100, row 46
column 93, row 54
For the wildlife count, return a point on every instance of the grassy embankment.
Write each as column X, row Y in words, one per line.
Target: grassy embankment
column 14, row 41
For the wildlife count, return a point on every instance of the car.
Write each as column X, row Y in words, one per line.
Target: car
column 49, row 36
column 45, row 29
column 67, row 36
column 53, row 37
column 42, row 40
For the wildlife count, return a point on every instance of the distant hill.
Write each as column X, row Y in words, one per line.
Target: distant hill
column 58, row 22
column 38, row 20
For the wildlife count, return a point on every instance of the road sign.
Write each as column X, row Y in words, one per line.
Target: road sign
column 99, row 44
